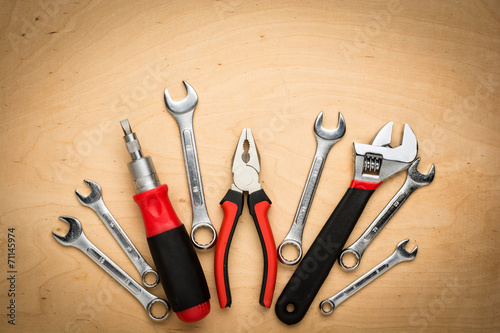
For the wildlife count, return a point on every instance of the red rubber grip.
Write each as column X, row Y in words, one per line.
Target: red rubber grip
column 195, row 313
column 221, row 251
column 363, row 185
column 157, row 211
column 269, row 247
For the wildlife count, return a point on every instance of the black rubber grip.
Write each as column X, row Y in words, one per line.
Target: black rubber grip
column 179, row 269
column 312, row 271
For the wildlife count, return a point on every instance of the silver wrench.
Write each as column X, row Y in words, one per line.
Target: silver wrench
column 414, row 180
column 76, row 238
column 183, row 112
column 94, row 200
column 399, row 255
column 325, row 139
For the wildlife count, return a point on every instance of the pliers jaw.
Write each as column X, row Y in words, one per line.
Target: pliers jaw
column 246, row 164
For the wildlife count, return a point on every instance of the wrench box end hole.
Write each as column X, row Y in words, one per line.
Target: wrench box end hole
column 290, row 308
column 203, row 236
column 150, row 278
column 327, row 307
column 290, row 252
column 158, row 309
column 349, row 259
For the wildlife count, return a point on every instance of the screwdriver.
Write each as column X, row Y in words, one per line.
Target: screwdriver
column 175, row 258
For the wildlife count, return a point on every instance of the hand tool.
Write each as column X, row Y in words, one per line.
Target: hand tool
column 400, row 254
column 372, row 165
column 246, row 169
column 183, row 111
column 175, row 258
column 96, row 203
column 76, row 238
column 325, row 139
column 414, row 180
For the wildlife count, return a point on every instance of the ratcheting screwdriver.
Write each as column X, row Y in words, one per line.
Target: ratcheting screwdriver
column 174, row 256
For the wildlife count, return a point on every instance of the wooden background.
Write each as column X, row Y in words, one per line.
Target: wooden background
column 70, row 71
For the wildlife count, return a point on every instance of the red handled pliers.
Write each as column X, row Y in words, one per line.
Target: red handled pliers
column 246, row 168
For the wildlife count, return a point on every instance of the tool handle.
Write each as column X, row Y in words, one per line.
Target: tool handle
column 312, row 271
column 232, row 205
column 259, row 205
column 180, row 270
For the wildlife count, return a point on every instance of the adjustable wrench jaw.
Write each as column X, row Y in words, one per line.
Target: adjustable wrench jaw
column 376, row 162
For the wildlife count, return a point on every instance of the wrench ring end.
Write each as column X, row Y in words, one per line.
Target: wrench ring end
column 157, row 278
column 210, row 244
column 341, row 259
column 285, row 261
column 323, row 304
column 150, row 305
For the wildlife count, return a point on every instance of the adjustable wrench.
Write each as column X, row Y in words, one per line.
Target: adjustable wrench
column 183, row 112
column 325, row 139
column 76, row 238
column 414, row 180
column 399, row 255
column 96, row 203
column 372, row 165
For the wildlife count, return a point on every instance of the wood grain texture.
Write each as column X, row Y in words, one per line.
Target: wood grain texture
column 71, row 70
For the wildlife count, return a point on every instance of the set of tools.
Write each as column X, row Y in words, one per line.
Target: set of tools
column 173, row 248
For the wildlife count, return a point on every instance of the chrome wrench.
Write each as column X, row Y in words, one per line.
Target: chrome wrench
column 76, row 238
column 399, row 255
column 183, row 112
column 96, row 203
column 414, row 180
column 325, row 139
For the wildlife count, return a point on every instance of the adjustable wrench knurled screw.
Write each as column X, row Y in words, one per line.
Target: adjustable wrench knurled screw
column 414, row 180
column 183, row 112
column 76, row 238
column 325, row 139
column 399, row 255
column 96, row 203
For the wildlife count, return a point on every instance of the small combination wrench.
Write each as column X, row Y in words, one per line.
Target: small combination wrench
column 399, row 255
column 183, row 112
column 414, row 180
column 96, row 203
column 325, row 139
column 76, row 238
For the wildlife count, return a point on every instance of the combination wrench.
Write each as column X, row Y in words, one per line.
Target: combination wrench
column 414, row 180
column 183, row 111
column 399, row 255
column 325, row 139
column 76, row 238
column 96, row 203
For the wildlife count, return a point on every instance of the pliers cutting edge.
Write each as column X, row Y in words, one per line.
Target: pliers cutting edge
column 246, row 168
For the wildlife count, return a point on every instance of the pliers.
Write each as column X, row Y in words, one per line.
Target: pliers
column 246, row 169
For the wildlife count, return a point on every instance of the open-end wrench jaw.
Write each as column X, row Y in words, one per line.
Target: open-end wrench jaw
column 74, row 233
column 375, row 163
column 186, row 105
column 329, row 134
column 93, row 197
column 405, row 255
column 420, row 178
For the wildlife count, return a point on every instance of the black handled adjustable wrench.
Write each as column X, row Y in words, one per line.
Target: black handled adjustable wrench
column 372, row 165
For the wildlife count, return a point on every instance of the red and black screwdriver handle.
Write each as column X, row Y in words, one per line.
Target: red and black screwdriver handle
column 301, row 289
column 232, row 205
column 175, row 259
